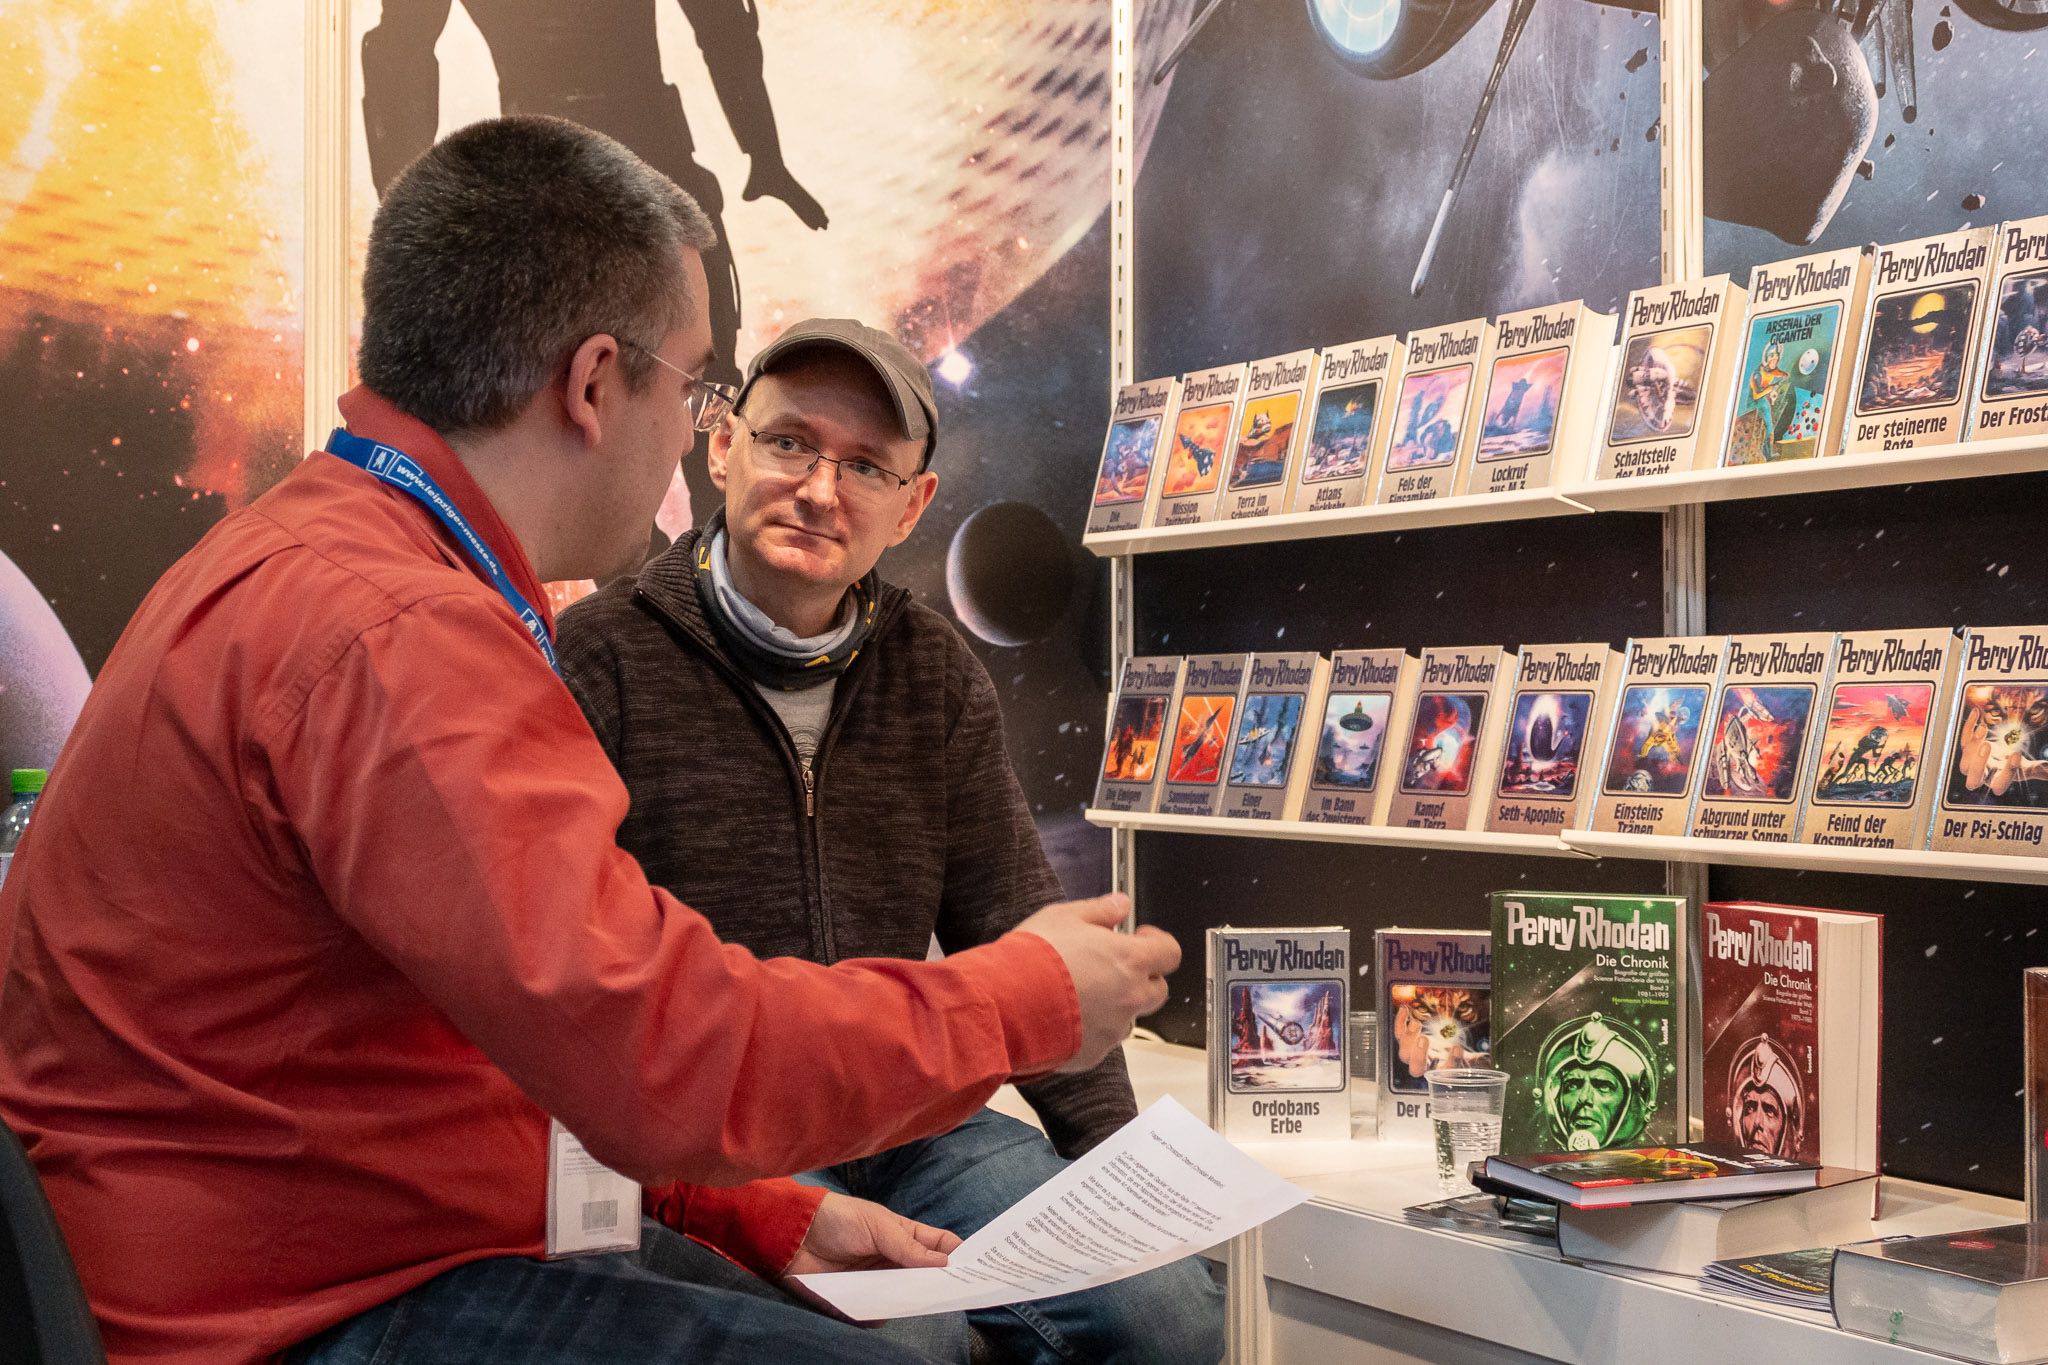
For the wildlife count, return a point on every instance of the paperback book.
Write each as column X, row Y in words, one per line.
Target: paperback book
column 1790, row 1025
column 1268, row 770
column 1994, row 787
column 1757, row 749
column 1277, row 1003
column 1541, row 397
column 1796, row 1279
column 1672, row 384
column 1919, row 336
column 1453, row 742
column 1887, row 712
column 1435, row 1010
column 2011, row 384
column 1365, row 712
column 1137, row 423
column 1436, row 417
column 1354, row 418
column 1131, row 763
column 1792, row 383
column 2037, row 1092
column 1270, row 434
column 1200, row 447
column 1653, row 748
column 1561, row 709
column 1212, row 686
column 1589, row 1000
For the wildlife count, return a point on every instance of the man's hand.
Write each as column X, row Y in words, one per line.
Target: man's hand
column 1118, row 977
column 853, row 1234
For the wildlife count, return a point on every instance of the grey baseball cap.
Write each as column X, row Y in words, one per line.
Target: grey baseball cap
column 908, row 383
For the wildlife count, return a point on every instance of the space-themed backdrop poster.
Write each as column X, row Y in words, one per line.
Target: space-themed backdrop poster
column 150, row 227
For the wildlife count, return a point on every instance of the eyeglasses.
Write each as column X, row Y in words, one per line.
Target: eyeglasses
column 707, row 399
column 775, row 452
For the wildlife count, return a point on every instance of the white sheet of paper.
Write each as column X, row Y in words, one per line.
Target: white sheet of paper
column 1161, row 1187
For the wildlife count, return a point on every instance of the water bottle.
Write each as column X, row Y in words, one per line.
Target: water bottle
column 28, row 785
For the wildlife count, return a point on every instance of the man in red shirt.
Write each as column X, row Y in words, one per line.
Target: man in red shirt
column 321, row 944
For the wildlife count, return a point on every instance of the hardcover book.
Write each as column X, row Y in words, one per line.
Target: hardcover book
column 1268, row 770
column 1131, row 763
column 1137, row 423
column 1789, row 1012
column 1919, row 337
column 1887, row 712
column 2010, row 388
column 1979, row 1295
column 1590, row 1020
column 1453, row 742
column 1277, row 1004
column 1653, row 749
column 1270, row 434
column 1561, row 710
column 1199, row 447
column 1354, row 417
column 1435, row 417
column 1541, row 398
column 1199, row 738
column 1365, row 712
column 1435, row 1010
column 1624, row 1176
column 1681, row 1236
column 1798, row 336
column 1672, row 385
column 2037, row 1092
column 1993, row 796
column 1757, row 748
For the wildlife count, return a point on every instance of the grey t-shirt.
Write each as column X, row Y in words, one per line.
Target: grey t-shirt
column 804, row 713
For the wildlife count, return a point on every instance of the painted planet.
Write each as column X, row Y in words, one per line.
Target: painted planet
column 43, row 682
column 1809, row 360
column 1009, row 573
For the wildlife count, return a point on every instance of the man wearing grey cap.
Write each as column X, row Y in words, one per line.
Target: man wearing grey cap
column 816, row 763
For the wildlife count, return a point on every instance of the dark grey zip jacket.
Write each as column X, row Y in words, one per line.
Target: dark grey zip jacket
column 913, row 823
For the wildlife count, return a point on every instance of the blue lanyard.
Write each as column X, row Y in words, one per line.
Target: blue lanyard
column 390, row 465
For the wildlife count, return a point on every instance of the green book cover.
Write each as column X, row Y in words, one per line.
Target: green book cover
column 1589, row 1015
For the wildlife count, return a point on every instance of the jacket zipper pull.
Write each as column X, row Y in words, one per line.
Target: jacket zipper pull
column 810, row 793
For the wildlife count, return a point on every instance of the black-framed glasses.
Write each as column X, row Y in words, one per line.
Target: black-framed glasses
column 707, row 399
column 776, row 452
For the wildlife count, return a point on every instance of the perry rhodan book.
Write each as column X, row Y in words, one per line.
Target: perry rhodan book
column 1758, row 744
column 1798, row 340
column 1453, row 742
column 2036, row 1062
column 1137, row 423
column 1278, row 999
column 1993, row 794
column 1131, row 751
column 1363, row 723
column 1560, row 713
column 1789, row 1031
column 1919, row 336
column 1198, row 446
column 1881, row 734
column 1270, row 433
column 1590, row 1020
column 1671, row 389
column 2010, row 383
column 1653, row 749
column 1353, row 417
column 1435, row 1010
column 1269, row 764
column 1541, row 399
column 1436, row 413
column 1198, row 738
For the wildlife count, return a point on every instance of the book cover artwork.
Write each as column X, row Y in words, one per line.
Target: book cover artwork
column 1200, row 446
column 2012, row 373
column 1671, row 387
column 1760, row 994
column 1994, row 793
column 1269, row 429
column 1757, row 746
column 1921, row 332
column 1353, row 414
column 1654, row 751
column 1452, row 734
column 1436, row 1010
column 1137, row 729
column 1788, row 385
column 1884, row 720
column 1124, row 477
column 1265, row 755
column 1280, row 999
column 1349, row 781
column 1557, row 714
column 1433, row 417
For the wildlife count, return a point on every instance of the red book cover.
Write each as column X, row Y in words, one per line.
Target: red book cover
column 1760, row 1036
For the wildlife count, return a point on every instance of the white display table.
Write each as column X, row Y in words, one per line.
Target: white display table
column 1348, row 1279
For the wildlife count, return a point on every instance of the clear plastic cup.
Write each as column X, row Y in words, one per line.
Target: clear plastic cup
column 1464, row 1112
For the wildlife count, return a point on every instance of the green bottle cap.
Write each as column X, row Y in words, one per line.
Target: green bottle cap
column 28, row 781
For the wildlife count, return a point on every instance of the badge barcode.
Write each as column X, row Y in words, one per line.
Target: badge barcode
column 600, row 1213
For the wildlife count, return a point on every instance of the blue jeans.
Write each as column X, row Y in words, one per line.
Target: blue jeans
column 963, row 1179
column 672, row 1301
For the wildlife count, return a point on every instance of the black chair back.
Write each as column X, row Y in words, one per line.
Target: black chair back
column 44, row 1319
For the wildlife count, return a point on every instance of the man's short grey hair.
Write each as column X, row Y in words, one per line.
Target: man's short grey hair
column 505, row 247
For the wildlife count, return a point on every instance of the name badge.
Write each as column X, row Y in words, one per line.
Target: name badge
column 591, row 1208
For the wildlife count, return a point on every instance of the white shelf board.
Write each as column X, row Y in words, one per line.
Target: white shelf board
column 1874, row 862
column 1471, row 509
column 1426, row 840
column 1929, row 464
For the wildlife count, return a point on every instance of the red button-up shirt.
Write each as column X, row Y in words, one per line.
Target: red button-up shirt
column 322, row 916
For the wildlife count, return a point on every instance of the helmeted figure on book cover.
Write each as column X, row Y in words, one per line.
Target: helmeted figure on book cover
column 1599, row 1079
column 1760, row 1030
column 1766, row 1102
